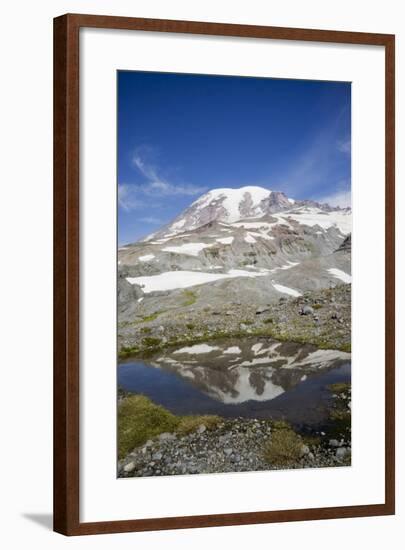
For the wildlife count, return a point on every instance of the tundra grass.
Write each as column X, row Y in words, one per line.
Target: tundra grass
column 139, row 419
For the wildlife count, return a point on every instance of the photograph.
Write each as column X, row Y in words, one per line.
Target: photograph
column 234, row 227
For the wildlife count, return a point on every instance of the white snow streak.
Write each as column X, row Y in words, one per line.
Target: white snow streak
column 287, row 290
column 189, row 249
column 197, row 349
column 146, row 258
column 339, row 274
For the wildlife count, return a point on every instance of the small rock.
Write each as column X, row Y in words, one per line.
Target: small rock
column 304, row 450
column 261, row 310
column 166, row 436
column 307, row 310
column 130, row 467
column 333, row 443
column 228, row 451
column 201, row 429
column 157, row 456
column 341, row 452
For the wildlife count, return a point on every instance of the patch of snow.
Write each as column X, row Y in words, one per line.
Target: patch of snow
column 146, row 258
column 290, row 265
column 178, row 225
column 231, row 200
column 315, row 216
column 170, row 280
column 339, row 274
column 250, row 239
column 197, row 349
column 225, row 240
column 256, row 348
column 303, row 378
column 286, row 290
column 233, row 350
column 140, row 299
column 261, row 235
column 189, row 249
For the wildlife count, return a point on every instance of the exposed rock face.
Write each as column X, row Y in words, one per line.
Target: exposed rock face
column 346, row 245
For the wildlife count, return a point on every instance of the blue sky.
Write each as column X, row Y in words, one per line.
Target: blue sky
column 180, row 135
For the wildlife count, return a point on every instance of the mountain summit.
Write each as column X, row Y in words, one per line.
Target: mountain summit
column 229, row 205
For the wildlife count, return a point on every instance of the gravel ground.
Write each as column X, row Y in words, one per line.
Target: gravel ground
column 326, row 324
column 235, row 445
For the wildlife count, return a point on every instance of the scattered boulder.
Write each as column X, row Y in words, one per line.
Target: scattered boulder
column 341, row 453
column 307, row 310
column 130, row 467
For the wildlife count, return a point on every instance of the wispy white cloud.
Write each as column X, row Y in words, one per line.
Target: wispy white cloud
column 341, row 198
column 132, row 196
column 128, row 198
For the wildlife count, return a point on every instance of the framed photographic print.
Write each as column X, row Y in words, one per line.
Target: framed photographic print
column 223, row 274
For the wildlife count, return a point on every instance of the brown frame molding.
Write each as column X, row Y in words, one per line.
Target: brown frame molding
column 66, row 273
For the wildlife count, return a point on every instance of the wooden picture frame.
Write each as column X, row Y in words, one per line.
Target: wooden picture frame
column 67, row 283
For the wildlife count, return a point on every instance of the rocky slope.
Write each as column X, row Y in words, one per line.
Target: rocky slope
column 249, row 246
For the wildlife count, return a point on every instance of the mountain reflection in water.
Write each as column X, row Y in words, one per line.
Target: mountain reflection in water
column 254, row 377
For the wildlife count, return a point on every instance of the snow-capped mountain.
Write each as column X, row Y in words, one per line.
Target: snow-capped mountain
column 232, row 205
column 250, row 244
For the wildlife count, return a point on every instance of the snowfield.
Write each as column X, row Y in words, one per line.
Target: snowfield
column 189, row 249
column 339, row 274
column 197, row 349
column 314, row 216
column 287, row 290
column 171, row 280
column 146, row 258
column 232, row 198
column 225, row 240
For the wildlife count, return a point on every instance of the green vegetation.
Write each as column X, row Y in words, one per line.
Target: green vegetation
column 150, row 317
column 285, row 446
column 146, row 330
column 139, row 419
column 189, row 424
column 127, row 351
column 247, row 322
column 269, row 320
column 339, row 387
column 317, row 306
column 190, row 298
column 151, row 342
column 346, row 347
column 190, row 326
column 268, row 329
